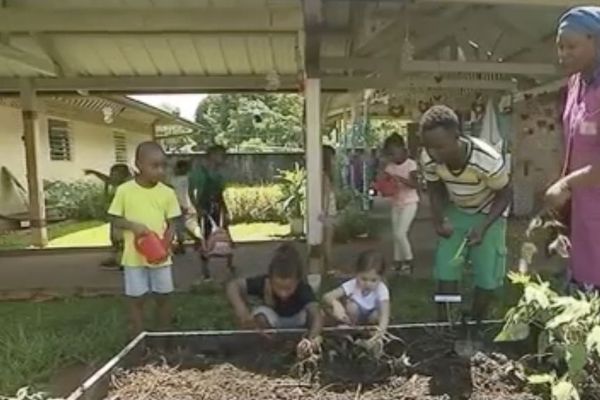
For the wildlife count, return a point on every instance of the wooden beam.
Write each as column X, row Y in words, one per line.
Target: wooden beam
column 549, row 87
column 183, row 84
column 392, row 35
column 359, row 83
column 152, row 84
column 479, row 67
column 539, row 3
column 32, row 62
column 529, row 45
column 47, row 44
column 26, row 20
column 35, row 189
column 384, row 64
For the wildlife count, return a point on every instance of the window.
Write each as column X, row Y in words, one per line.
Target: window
column 59, row 138
column 120, row 147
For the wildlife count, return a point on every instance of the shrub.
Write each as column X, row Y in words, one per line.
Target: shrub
column 568, row 337
column 255, row 203
column 352, row 222
column 293, row 188
column 80, row 200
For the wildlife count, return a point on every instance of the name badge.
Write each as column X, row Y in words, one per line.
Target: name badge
column 589, row 128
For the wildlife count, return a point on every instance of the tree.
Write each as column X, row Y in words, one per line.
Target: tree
column 232, row 119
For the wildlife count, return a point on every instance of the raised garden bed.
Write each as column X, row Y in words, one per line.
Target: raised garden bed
column 420, row 362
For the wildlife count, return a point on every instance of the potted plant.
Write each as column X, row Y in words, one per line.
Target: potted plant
column 293, row 187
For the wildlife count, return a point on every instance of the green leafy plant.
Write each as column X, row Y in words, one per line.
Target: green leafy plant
column 568, row 343
column 293, row 187
column 351, row 223
column 247, row 204
column 80, row 200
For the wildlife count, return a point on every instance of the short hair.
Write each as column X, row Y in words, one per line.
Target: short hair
column 440, row 116
column 145, row 147
column 216, row 148
column 371, row 260
column 394, row 140
column 121, row 168
column 182, row 164
column 286, row 263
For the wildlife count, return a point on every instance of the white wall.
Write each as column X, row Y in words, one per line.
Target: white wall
column 92, row 147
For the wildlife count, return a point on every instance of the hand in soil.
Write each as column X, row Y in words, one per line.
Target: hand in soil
column 304, row 348
column 307, row 347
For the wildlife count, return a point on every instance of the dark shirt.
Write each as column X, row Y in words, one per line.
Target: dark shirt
column 208, row 186
column 288, row 308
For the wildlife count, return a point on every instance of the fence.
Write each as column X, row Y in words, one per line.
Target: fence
column 250, row 168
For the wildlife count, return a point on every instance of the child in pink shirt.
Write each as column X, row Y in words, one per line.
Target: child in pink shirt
column 405, row 201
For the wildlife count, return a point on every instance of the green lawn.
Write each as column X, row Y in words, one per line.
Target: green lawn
column 20, row 239
column 38, row 339
column 96, row 233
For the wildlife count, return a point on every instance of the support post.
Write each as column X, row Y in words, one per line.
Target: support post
column 314, row 169
column 31, row 138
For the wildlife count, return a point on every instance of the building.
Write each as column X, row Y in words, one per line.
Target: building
column 78, row 133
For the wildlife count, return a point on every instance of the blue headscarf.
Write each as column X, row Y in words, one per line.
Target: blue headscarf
column 582, row 20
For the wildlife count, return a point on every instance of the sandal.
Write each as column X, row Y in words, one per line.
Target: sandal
column 405, row 269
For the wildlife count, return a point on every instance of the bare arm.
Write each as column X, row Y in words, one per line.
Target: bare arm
column 502, row 200
column 236, row 293
column 438, row 196
column 103, row 177
column 333, row 302
column 412, row 181
column 314, row 319
column 384, row 315
column 192, row 194
column 586, row 176
column 170, row 232
column 127, row 225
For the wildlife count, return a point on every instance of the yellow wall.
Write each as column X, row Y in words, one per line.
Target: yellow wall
column 92, row 147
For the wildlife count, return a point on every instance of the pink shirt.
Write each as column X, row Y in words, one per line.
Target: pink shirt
column 406, row 194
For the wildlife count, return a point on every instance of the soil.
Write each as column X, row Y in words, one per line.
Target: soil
column 426, row 369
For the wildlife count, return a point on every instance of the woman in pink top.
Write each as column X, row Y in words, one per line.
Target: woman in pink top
column 579, row 53
column 406, row 200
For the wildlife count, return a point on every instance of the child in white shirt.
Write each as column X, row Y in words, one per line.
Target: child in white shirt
column 365, row 299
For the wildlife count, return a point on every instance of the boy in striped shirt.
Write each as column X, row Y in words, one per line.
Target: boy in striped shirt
column 470, row 192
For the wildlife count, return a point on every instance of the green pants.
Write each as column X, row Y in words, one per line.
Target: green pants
column 488, row 259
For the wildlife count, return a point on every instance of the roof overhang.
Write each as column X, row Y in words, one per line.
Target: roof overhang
column 257, row 45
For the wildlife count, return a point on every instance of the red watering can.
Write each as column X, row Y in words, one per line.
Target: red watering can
column 154, row 249
column 386, row 185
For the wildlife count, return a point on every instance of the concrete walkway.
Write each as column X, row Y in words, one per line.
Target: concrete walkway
column 76, row 272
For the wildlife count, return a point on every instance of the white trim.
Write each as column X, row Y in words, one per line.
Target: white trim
column 106, row 368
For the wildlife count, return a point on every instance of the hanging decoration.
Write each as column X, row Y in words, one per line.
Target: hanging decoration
column 108, row 115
